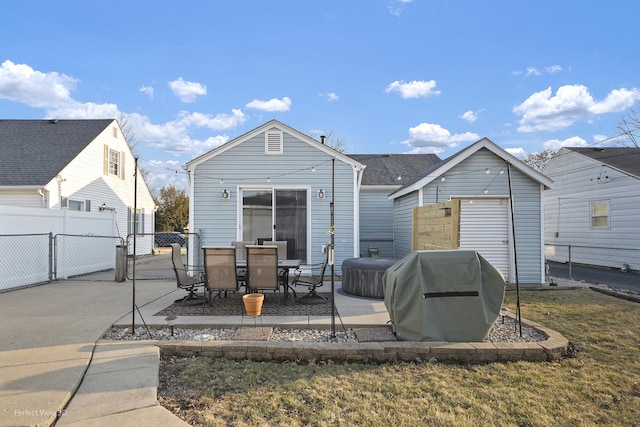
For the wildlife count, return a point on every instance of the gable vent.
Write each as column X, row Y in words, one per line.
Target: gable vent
column 273, row 142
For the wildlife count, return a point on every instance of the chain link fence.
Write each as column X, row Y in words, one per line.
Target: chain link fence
column 26, row 260
column 32, row 259
column 605, row 265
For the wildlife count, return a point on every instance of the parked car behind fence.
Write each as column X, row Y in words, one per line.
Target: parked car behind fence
column 165, row 239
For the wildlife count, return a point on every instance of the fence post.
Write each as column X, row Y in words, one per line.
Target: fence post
column 121, row 263
column 50, row 256
column 570, row 274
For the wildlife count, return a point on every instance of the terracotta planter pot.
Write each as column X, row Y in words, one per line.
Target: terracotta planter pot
column 253, row 304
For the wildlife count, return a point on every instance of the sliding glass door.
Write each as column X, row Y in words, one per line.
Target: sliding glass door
column 276, row 214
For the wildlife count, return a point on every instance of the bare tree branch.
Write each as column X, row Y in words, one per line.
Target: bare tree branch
column 629, row 127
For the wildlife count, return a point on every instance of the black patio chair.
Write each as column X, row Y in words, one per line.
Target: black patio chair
column 313, row 282
column 183, row 280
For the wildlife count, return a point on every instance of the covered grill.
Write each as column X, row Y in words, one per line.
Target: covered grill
column 443, row 296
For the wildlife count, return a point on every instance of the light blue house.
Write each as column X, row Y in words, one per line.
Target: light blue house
column 478, row 176
column 277, row 183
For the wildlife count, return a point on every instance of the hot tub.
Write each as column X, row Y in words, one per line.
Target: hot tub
column 363, row 276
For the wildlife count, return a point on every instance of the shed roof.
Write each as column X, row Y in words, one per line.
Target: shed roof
column 445, row 165
column 394, row 169
column 35, row 151
column 626, row 159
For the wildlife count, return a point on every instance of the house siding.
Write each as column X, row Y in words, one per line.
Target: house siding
column 246, row 166
column 85, row 180
column 26, row 199
column 403, row 224
column 579, row 181
column 376, row 222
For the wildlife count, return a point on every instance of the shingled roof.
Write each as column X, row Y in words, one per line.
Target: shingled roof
column 33, row 152
column 623, row 158
column 384, row 169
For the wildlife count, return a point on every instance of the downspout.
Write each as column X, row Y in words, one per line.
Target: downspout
column 44, row 201
column 357, row 183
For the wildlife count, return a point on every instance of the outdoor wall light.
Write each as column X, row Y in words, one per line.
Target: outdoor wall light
column 321, row 194
column 225, row 194
column 104, row 207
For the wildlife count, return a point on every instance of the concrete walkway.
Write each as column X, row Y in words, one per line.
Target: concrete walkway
column 47, row 342
column 54, row 369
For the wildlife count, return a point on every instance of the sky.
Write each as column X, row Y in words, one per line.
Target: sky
column 380, row 76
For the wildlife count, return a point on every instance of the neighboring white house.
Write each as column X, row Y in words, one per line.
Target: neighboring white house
column 478, row 176
column 276, row 183
column 594, row 206
column 80, row 165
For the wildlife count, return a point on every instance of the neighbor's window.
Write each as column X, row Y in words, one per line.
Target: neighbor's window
column 114, row 162
column 136, row 221
column 600, row 214
column 75, row 205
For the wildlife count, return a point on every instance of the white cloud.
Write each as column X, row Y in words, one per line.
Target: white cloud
column 533, row 71
column 174, row 136
column 518, row 152
column 432, row 138
column 413, row 89
column 330, row 96
column 148, row 90
column 470, row 116
column 556, row 144
column 397, row 6
column 21, row 83
column 83, row 110
column 274, row 104
column 544, row 111
column 552, row 69
column 187, row 91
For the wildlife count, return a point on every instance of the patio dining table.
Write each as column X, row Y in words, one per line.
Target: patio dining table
column 284, row 265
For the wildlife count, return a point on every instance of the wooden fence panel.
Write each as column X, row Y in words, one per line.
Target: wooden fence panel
column 437, row 227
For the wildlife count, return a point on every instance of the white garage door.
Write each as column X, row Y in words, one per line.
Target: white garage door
column 484, row 227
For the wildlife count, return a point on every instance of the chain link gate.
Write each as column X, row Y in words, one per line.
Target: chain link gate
column 76, row 256
column 153, row 254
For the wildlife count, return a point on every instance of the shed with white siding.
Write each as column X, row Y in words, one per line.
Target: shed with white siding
column 479, row 176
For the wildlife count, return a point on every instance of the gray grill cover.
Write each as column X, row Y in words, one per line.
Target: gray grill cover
column 443, row 296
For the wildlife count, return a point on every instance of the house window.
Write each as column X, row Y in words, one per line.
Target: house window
column 600, row 214
column 75, row 205
column 136, row 222
column 114, row 162
column 273, row 142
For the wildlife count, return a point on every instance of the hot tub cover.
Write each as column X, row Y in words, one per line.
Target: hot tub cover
column 451, row 295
